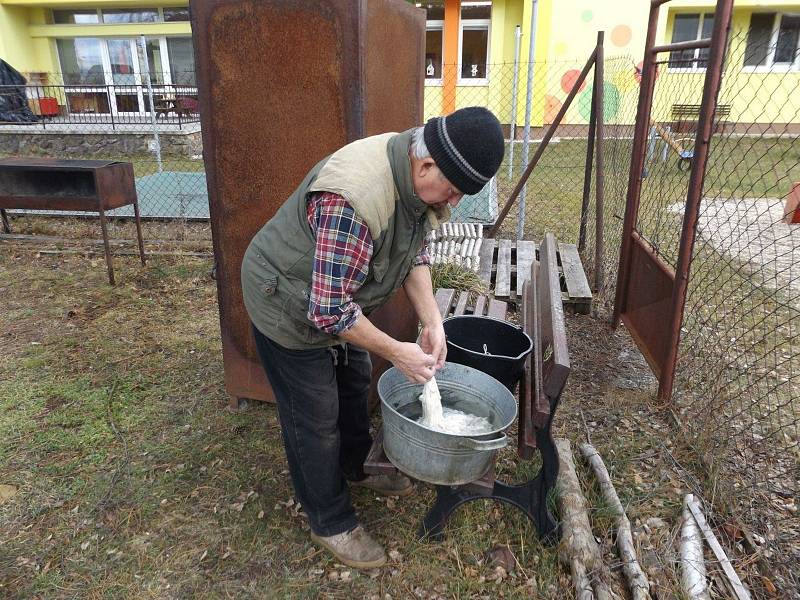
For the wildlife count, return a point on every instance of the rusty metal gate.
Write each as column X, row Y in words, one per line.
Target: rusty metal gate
column 651, row 293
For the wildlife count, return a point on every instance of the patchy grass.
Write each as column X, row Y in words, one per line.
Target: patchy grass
column 134, row 480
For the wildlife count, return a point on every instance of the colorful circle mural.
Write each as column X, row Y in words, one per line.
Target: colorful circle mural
column 621, row 35
column 551, row 107
column 587, row 16
column 611, row 99
column 568, row 80
column 638, row 72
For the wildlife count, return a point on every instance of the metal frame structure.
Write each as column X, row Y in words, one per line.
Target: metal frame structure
column 650, row 294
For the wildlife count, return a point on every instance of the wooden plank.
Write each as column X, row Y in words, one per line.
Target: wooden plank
column 502, row 283
column 540, row 403
column 487, row 259
column 554, row 332
column 461, row 305
column 376, row 462
column 526, row 439
column 526, row 254
column 497, row 309
column 444, row 299
column 577, row 285
column 480, row 306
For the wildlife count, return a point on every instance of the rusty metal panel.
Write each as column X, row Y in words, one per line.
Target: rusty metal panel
column 649, row 303
column 282, row 84
column 398, row 28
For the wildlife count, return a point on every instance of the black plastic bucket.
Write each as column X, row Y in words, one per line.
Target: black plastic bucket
column 497, row 348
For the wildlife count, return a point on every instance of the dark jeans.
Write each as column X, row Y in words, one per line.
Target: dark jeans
column 322, row 405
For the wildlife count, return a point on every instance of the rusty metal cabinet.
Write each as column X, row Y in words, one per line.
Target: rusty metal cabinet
column 284, row 83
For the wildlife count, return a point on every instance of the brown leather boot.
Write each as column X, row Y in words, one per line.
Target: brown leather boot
column 387, row 485
column 355, row 548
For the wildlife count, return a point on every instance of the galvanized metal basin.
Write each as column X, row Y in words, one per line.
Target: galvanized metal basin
column 434, row 456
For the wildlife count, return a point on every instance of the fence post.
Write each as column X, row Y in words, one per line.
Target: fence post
column 587, row 170
column 514, row 87
column 146, row 63
column 528, row 103
column 600, row 173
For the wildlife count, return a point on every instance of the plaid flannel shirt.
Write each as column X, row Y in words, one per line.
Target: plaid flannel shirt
column 341, row 261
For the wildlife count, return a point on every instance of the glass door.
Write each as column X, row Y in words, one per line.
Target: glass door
column 82, row 67
column 126, row 89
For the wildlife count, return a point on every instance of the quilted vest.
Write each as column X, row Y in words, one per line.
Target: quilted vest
column 374, row 176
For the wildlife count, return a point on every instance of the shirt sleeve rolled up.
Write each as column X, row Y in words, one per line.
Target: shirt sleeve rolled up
column 342, row 255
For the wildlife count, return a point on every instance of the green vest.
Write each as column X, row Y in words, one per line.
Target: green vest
column 374, row 176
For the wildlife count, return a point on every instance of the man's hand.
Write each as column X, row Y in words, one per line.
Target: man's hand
column 415, row 364
column 432, row 340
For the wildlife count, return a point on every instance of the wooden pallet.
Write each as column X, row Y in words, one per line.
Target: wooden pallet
column 505, row 265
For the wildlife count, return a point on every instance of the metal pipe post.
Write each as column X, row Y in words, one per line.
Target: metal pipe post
column 514, row 87
column 146, row 63
column 528, row 103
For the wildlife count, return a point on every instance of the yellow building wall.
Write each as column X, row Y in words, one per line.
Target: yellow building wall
column 27, row 39
column 754, row 97
column 16, row 46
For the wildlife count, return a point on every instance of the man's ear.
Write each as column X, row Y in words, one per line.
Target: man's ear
column 425, row 166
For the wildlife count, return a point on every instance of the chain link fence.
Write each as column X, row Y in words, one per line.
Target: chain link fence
column 152, row 122
column 737, row 388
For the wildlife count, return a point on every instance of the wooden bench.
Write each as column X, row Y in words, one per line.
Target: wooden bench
column 545, row 374
column 685, row 117
column 482, row 306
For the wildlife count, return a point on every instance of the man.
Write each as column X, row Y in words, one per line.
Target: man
column 348, row 237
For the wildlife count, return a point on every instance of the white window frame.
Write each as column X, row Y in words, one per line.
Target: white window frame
column 105, row 58
column 474, row 24
column 99, row 11
column 771, row 66
column 698, row 36
column 435, row 25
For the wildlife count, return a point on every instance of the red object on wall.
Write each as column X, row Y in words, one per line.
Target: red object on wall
column 48, row 107
column 791, row 210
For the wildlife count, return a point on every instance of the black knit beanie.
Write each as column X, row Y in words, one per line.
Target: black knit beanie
column 467, row 146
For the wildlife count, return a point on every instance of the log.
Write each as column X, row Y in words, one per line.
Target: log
column 739, row 590
column 637, row 580
column 693, row 566
column 578, row 547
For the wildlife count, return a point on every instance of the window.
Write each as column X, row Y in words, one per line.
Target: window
column 109, row 75
column 686, row 28
column 176, row 14
column 124, row 15
column 434, row 39
column 181, row 61
column 154, row 62
column 81, row 61
column 773, row 40
column 474, row 40
column 79, row 17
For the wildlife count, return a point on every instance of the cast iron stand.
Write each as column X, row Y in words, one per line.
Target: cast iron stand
column 530, row 497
